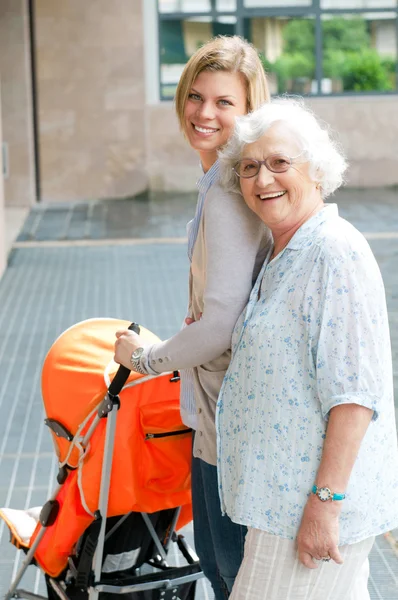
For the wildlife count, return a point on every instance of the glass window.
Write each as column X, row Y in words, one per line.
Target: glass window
column 276, row 3
column 359, row 53
column 287, row 50
column 359, row 4
column 179, row 39
column 358, row 37
column 226, row 5
column 170, row 6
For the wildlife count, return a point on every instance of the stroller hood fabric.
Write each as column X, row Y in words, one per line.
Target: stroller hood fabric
column 152, row 452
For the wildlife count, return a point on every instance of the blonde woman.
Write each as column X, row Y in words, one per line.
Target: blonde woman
column 226, row 245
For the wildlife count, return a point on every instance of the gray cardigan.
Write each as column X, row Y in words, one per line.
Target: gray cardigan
column 229, row 250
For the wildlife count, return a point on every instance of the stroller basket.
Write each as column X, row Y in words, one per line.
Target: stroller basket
column 123, row 482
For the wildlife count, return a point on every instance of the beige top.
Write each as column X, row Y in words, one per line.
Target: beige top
column 229, row 250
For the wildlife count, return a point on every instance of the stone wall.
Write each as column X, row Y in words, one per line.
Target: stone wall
column 16, row 111
column 367, row 127
column 2, row 216
column 171, row 164
column 90, row 77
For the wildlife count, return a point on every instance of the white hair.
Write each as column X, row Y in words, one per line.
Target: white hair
column 327, row 162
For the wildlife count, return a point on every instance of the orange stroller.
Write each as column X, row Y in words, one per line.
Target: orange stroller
column 123, row 481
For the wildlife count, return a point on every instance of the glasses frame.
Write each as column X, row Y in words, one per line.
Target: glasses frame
column 264, row 162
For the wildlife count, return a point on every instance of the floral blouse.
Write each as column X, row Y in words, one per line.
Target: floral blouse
column 314, row 335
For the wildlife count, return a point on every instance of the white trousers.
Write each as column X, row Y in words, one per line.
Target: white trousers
column 271, row 571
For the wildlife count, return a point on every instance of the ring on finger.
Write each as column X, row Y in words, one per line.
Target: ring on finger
column 326, row 558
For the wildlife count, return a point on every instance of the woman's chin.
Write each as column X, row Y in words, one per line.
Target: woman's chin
column 272, row 214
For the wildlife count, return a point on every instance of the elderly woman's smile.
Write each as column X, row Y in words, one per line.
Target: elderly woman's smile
column 271, row 195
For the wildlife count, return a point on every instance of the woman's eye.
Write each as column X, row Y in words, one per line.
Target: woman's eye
column 280, row 161
column 193, row 96
column 225, row 102
column 247, row 167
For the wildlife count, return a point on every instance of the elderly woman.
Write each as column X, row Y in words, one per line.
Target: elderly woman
column 307, row 447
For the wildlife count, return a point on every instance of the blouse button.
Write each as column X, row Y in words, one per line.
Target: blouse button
column 199, row 411
column 199, row 452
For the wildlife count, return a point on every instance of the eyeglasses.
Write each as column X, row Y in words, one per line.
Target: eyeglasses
column 276, row 163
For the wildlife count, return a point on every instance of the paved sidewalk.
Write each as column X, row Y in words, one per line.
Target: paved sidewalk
column 48, row 288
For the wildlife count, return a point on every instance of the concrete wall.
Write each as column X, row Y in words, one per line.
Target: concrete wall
column 90, row 76
column 367, row 127
column 171, row 163
column 16, row 113
column 2, row 216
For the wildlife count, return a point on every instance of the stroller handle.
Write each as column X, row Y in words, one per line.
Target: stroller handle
column 122, row 373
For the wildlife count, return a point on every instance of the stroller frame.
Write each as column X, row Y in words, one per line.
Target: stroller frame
column 108, row 409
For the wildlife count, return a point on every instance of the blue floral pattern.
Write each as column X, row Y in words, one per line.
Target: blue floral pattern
column 313, row 335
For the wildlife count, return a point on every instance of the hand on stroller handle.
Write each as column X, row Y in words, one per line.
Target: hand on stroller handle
column 122, row 373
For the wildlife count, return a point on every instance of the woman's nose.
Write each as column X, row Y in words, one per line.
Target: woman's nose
column 264, row 176
column 206, row 111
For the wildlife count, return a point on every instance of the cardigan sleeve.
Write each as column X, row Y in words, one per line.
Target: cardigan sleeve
column 235, row 238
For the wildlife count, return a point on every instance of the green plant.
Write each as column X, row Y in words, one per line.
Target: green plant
column 299, row 36
column 389, row 64
column 293, row 66
column 347, row 55
column 267, row 65
column 334, row 63
column 364, row 71
column 345, row 34
column 339, row 33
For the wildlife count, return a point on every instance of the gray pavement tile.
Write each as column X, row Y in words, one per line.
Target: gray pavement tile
column 159, row 215
column 369, row 210
column 165, row 215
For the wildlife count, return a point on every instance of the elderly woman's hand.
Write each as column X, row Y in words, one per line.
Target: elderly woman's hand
column 318, row 535
column 127, row 341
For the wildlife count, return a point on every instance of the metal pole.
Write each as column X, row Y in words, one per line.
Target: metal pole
column 24, row 566
column 318, row 46
column 30, row 554
column 240, row 27
column 103, row 498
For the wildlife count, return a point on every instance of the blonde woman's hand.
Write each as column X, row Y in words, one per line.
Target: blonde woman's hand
column 318, row 535
column 127, row 341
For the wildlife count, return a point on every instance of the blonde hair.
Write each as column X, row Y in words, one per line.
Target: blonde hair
column 229, row 54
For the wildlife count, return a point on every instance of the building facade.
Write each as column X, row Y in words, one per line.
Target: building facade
column 87, row 87
column 2, row 219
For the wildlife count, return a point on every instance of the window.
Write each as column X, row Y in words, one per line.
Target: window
column 276, row 3
column 226, row 5
column 357, row 4
column 359, row 53
column 318, row 47
column 287, row 51
column 184, row 6
column 179, row 39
